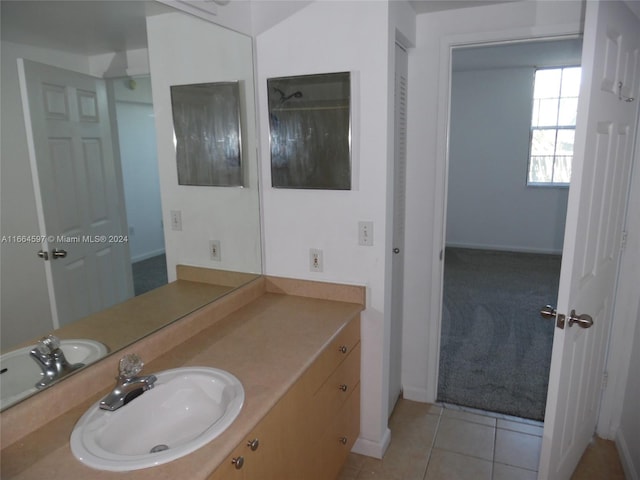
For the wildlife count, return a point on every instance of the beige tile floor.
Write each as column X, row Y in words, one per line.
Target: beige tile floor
column 430, row 442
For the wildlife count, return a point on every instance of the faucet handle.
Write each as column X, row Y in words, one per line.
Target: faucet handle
column 130, row 365
column 47, row 345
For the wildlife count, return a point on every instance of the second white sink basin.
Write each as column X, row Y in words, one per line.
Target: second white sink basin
column 20, row 372
column 187, row 408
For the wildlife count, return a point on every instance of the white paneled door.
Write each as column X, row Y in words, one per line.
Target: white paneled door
column 399, row 194
column 80, row 202
column 603, row 150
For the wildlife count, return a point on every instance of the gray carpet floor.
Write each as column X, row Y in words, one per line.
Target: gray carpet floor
column 495, row 348
column 149, row 274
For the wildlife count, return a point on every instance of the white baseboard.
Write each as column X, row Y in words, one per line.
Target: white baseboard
column 630, row 470
column 373, row 449
column 505, row 248
column 144, row 256
column 415, row 394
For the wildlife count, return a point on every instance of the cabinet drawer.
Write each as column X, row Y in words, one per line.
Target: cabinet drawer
column 336, row 389
column 335, row 444
column 332, row 356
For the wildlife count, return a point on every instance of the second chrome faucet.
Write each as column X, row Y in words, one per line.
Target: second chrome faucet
column 129, row 384
column 51, row 360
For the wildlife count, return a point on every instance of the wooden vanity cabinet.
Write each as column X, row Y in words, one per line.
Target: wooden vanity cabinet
column 311, row 429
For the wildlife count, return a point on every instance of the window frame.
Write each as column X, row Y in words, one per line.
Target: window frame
column 556, row 127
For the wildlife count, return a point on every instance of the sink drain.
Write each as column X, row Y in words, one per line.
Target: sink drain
column 159, row 448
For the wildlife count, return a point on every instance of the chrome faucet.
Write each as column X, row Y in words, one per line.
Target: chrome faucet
column 51, row 360
column 129, row 385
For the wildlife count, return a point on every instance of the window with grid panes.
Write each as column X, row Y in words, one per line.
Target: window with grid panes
column 553, row 125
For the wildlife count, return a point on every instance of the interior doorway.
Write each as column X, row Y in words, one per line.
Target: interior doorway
column 132, row 104
column 503, row 233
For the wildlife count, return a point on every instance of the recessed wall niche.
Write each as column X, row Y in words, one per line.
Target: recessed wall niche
column 206, row 122
column 310, row 131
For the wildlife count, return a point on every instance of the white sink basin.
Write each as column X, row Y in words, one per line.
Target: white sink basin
column 187, row 408
column 22, row 372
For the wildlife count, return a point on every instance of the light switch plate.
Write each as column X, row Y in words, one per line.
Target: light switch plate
column 365, row 233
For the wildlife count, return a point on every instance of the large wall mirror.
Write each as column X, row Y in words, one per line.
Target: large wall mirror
column 119, row 63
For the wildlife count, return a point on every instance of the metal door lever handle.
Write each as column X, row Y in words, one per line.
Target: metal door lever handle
column 584, row 320
column 55, row 253
column 548, row 312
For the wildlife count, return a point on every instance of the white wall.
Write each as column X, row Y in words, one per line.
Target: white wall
column 489, row 203
column 294, row 221
column 139, row 159
column 429, row 71
column 186, row 50
column 628, row 437
column 25, row 310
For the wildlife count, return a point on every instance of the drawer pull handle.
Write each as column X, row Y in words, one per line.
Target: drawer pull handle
column 343, row 349
column 343, row 440
column 238, row 462
column 253, row 444
column 343, row 387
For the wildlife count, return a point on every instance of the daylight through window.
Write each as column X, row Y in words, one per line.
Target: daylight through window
column 553, row 125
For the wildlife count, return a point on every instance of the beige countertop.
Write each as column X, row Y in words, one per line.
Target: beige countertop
column 267, row 343
column 127, row 322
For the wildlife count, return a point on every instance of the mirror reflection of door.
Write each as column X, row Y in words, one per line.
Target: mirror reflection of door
column 505, row 231
column 81, row 201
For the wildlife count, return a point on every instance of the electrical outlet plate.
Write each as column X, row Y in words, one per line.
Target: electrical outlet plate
column 315, row 260
column 214, row 250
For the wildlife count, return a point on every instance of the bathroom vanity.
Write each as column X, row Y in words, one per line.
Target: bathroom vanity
column 294, row 345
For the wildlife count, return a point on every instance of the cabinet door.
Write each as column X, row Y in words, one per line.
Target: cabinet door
column 265, row 459
column 259, row 456
column 232, row 468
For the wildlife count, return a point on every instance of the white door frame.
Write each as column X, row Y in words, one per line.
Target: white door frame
column 447, row 44
column 617, row 361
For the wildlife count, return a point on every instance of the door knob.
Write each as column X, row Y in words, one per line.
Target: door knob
column 43, row 254
column 55, row 253
column 548, row 312
column 584, row 320
column 396, row 250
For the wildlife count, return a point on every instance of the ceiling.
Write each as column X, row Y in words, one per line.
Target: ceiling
column 95, row 27
column 81, row 27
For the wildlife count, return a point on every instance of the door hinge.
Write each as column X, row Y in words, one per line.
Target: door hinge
column 605, row 379
column 623, row 240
